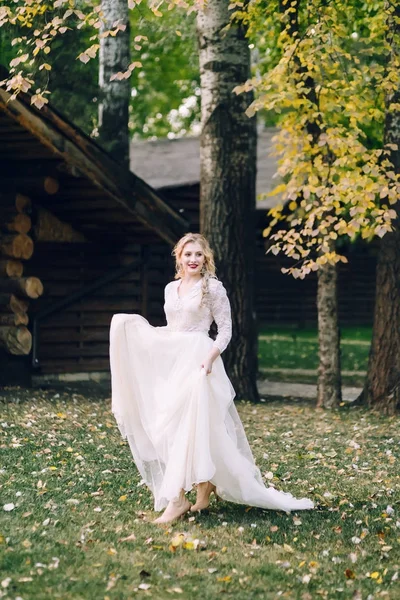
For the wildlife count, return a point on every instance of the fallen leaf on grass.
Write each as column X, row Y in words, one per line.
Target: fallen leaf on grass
column 129, row 538
column 185, row 541
column 112, row 581
column 144, row 586
column 375, row 575
column 350, row 574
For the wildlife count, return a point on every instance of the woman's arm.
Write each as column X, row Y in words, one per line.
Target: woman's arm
column 221, row 312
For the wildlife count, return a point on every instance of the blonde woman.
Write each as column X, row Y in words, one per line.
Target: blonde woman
column 173, row 401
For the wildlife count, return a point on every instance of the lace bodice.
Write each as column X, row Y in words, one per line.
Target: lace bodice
column 186, row 314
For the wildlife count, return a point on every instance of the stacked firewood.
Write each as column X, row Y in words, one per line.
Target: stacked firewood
column 15, row 290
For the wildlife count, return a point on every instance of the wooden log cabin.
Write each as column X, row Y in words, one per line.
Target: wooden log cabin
column 81, row 238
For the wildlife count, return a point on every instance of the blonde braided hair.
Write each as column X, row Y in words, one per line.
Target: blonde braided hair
column 208, row 269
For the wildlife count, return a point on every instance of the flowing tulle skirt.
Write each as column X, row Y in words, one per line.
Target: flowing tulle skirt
column 182, row 426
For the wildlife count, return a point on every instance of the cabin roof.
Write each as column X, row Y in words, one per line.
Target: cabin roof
column 96, row 195
column 167, row 164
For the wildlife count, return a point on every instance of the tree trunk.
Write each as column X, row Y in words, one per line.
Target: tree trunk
column 329, row 378
column 382, row 387
column 114, row 95
column 227, row 180
column 329, row 373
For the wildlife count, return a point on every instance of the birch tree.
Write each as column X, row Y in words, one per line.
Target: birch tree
column 115, row 89
column 227, row 180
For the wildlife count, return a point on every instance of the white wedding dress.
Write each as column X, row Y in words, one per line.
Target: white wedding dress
column 181, row 424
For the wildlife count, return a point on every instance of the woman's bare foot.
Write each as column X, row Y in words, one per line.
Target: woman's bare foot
column 204, row 491
column 175, row 509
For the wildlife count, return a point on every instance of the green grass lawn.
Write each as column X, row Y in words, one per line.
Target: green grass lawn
column 291, row 348
column 70, row 496
column 358, row 333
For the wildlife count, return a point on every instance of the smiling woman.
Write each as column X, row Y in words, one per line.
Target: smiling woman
column 173, row 401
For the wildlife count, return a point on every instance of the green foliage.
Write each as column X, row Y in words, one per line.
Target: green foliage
column 165, row 91
column 53, row 49
column 329, row 84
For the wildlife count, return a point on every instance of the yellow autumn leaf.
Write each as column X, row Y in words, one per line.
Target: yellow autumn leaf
column 177, row 541
column 189, row 545
column 375, row 575
column 122, row 498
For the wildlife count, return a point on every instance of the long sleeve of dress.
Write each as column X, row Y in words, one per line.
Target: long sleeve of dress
column 221, row 312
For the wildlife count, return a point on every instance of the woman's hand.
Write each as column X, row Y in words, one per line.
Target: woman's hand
column 207, row 366
column 208, row 363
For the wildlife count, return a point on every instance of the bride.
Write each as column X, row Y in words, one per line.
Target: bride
column 173, row 401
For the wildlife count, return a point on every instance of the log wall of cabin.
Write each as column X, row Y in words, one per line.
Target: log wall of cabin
column 77, row 338
column 283, row 300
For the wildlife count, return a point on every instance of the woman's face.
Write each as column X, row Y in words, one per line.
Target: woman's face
column 192, row 258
